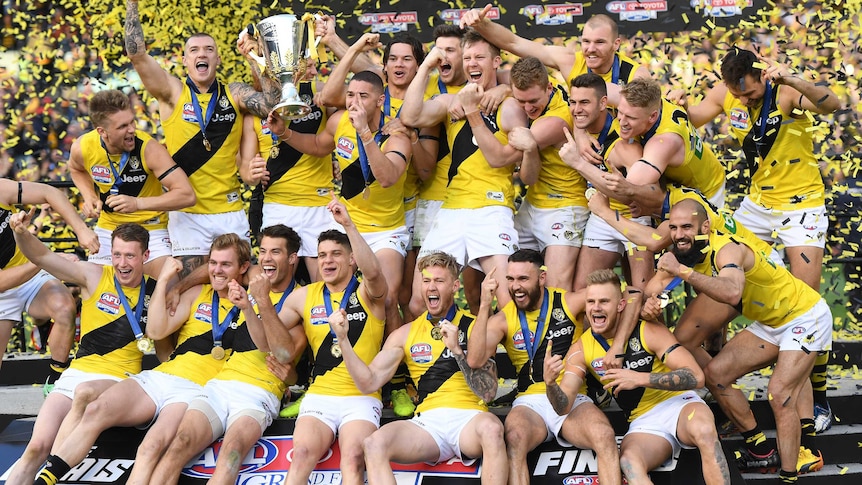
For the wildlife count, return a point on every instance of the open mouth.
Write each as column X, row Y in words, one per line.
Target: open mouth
column 268, row 270
column 445, row 69
column 475, row 76
column 433, row 302
column 202, row 66
column 599, row 318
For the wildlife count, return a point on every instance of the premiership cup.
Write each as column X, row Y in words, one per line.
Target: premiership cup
column 287, row 43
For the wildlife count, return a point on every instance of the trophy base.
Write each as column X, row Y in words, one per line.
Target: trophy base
column 292, row 110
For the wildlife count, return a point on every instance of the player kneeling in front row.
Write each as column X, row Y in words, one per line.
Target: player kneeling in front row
column 653, row 387
column 450, row 421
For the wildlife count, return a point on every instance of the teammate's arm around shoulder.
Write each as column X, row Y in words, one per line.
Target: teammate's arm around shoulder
column 160, row 83
column 160, row 323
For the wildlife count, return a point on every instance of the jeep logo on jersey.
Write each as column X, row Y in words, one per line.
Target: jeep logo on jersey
column 635, row 364
column 421, row 353
column 101, row 174
column 555, row 334
column 204, row 313
column 134, row 178
column 357, row 316
column 108, row 303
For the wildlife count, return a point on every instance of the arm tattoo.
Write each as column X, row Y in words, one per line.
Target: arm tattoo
column 255, row 102
column 134, row 31
column 482, row 381
column 676, row 380
column 559, row 399
column 190, row 262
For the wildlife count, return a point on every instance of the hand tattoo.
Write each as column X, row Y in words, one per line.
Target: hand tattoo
column 482, row 381
column 677, row 380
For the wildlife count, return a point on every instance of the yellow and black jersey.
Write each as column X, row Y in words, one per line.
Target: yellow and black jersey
column 330, row 374
column 108, row 344
column 212, row 172
column 438, row 378
column 434, row 188
column 639, row 358
column 784, row 171
column 771, row 295
column 377, row 208
column 10, row 255
column 295, row 178
column 192, row 357
column 559, row 325
column 136, row 179
column 622, row 71
column 472, row 183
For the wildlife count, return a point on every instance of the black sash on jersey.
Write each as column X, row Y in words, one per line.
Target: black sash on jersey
column 193, row 155
column 527, row 375
column 131, row 169
column 463, row 146
column 443, row 368
column 325, row 361
column 288, row 156
column 754, row 145
column 352, row 180
column 629, row 400
column 114, row 335
column 7, row 239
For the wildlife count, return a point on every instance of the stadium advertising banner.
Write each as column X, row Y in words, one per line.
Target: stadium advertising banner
column 536, row 19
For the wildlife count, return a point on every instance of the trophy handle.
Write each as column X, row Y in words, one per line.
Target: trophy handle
column 261, row 62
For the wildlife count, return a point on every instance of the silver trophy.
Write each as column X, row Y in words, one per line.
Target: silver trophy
column 284, row 40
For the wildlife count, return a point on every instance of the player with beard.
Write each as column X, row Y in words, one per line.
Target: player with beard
column 206, row 320
column 539, row 322
column 791, row 323
column 653, row 387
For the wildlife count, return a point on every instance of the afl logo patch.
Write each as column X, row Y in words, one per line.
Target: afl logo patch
column 204, row 313
column 421, row 353
column 739, row 118
column 108, row 303
column 101, row 174
column 344, row 148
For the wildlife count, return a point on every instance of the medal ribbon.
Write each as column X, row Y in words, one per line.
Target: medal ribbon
column 284, row 295
column 363, row 157
column 764, row 115
column 203, row 122
column 124, row 158
column 351, row 288
column 532, row 344
column 220, row 328
column 601, row 340
column 673, row 284
column 134, row 318
column 441, row 86
column 615, row 70
column 450, row 315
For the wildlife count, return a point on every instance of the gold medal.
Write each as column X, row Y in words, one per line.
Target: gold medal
column 207, row 145
column 590, row 193
column 335, row 350
column 217, row 353
column 366, row 192
column 273, row 153
column 144, row 344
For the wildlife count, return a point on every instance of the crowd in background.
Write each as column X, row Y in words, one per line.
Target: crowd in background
column 53, row 58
